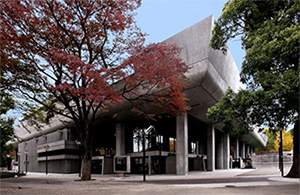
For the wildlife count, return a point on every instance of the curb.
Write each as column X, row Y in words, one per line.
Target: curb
column 284, row 179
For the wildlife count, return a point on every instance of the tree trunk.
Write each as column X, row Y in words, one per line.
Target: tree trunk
column 87, row 154
column 86, row 169
column 294, row 171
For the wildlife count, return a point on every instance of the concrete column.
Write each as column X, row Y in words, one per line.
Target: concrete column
column 226, row 152
column 247, row 150
column 211, row 147
column 182, row 144
column 236, row 149
column 219, row 150
column 243, row 150
column 21, row 160
column 149, row 165
column 120, row 139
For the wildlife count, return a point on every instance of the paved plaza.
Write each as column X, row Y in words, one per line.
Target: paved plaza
column 262, row 180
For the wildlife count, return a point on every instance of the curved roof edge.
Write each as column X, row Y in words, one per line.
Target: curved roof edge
column 256, row 139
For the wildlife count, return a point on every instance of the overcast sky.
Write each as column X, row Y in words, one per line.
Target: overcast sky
column 163, row 18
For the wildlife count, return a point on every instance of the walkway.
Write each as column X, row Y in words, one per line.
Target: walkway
column 235, row 181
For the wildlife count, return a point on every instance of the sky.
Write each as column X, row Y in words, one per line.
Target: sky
column 161, row 19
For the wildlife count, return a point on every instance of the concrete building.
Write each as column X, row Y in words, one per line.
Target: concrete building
column 188, row 142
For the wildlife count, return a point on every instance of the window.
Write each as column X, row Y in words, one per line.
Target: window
column 172, row 144
column 193, row 147
column 159, row 139
column 138, row 143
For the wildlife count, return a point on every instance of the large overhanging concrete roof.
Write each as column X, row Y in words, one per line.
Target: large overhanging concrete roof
column 211, row 73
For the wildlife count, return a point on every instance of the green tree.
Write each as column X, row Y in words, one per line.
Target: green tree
column 270, row 33
column 271, row 140
column 6, row 123
column 287, row 141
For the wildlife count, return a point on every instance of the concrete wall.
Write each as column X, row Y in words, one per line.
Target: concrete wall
column 170, row 164
column 270, row 159
column 59, row 166
column 63, row 163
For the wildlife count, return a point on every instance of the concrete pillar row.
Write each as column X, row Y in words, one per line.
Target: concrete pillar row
column 120, row 139
column 182, row 144
column 226, row 152
column 210, row 147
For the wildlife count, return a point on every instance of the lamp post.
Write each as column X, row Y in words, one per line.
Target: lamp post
column 160, row 149
column 144, row 156
column 145, row 132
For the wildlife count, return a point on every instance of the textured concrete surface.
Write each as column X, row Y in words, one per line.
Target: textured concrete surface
column 211, row 71
column 182, row 145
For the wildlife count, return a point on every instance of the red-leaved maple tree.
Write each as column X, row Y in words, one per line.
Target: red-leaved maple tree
column 81, row 58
